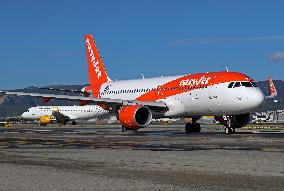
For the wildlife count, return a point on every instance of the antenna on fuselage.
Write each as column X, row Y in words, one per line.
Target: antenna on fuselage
column 227, row 69
column 143, row 76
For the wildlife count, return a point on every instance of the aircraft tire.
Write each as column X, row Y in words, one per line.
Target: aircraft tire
column 229, row 130
column 124, row 128
column 188, row 128
column 197, row 128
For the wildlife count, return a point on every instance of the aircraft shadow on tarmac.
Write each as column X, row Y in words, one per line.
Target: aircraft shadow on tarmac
column 156, row 140
column 78, row 144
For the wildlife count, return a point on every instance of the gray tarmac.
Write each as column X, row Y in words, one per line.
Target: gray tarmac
column 154, row 158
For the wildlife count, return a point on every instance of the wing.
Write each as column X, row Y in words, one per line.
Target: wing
column 110, row 103
column 68, row 91
column 72, row 117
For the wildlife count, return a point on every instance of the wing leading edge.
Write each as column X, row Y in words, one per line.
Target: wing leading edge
column 110, row 102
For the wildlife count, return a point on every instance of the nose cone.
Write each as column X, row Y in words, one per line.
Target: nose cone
column 255, row 98
column 24, row 115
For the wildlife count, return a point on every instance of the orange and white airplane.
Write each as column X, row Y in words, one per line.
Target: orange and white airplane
column 229, row 96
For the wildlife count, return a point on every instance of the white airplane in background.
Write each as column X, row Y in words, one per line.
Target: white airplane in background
column 63, row 114
column 229, row 96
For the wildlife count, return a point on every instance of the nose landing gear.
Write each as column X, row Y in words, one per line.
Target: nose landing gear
column 230, row 129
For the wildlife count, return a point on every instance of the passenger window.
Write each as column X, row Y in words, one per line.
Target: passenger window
column 231, row 85
column 237, row 84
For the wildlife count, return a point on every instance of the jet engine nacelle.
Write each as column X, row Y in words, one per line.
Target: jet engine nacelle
column 238, row 121
column 44, row 120
column 135, row 117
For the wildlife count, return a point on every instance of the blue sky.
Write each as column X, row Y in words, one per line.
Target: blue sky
column 42, row 42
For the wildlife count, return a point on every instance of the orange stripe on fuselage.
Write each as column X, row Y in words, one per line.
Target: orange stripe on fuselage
column 193, row 81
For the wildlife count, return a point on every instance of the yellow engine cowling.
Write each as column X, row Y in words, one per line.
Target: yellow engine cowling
column 44, row 120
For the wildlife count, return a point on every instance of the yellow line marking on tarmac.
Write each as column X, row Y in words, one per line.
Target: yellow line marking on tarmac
column 263, row 127
column 268, row 149
column 23, row 142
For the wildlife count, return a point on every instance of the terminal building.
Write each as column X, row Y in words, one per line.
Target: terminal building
column 268, row 116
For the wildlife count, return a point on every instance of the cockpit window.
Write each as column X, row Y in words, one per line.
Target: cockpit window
column 237, row 84
column 247, row 84
column 244, row 84
column 231, row 85
column 253, row 84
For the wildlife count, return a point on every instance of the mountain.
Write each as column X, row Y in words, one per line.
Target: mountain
column 15, row 106
column 270, row 104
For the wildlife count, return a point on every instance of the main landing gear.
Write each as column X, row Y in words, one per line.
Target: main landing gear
column 124, row 128
column 193, row 127
column 127, row 129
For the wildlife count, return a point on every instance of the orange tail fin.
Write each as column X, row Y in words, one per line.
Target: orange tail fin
column 273, row 91
column 96, row 69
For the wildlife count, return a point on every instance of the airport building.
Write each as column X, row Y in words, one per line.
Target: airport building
column 268, row 116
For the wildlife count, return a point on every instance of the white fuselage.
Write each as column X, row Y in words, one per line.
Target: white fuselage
column 73, row 112
column 199, row 95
